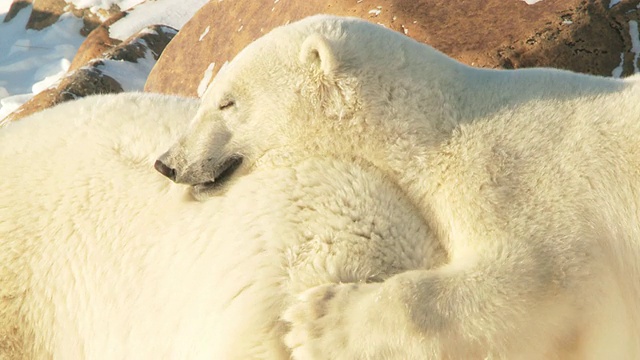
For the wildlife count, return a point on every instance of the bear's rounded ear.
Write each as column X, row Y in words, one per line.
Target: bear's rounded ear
column 317, row 52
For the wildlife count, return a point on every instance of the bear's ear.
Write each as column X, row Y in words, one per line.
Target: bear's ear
column 317, row 52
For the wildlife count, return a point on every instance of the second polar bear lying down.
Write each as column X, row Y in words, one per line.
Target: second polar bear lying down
column 529, row 179
column 102, row 258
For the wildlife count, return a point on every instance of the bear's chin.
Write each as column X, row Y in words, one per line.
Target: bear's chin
column 204, row 192
column 216, row 187
column 201, row 193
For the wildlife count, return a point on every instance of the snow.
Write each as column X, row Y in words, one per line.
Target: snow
column 613, row 3
column 635, row 43
column 5, row 5
column 206, row 79
column 376, row 11
column 208, row 75
column 95, row 5
column 204, row 33
column 617, row 72
column 531, row 2
column 31, row 60
column 174, row 13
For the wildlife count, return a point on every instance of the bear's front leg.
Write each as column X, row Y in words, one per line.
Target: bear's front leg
column 349, row 321
column 506, row 308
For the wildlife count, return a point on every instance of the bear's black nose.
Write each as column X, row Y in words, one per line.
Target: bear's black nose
column 165, row 170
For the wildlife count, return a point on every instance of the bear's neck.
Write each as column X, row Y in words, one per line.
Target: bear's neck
column 448, row 92
column 480, row 93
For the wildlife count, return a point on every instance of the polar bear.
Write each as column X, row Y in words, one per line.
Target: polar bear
column 102, row 258
column 529, row 179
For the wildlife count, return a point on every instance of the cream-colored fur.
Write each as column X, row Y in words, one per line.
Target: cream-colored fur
column 102, row 258
column 530, row 180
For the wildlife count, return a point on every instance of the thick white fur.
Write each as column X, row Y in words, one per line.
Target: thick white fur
column 103, row 258
column 530, row 180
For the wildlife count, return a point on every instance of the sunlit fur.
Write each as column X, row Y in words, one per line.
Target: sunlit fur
column 101, row 257
column 529, row 179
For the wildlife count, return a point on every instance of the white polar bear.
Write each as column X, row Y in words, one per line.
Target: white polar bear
column 530, row 180
column 103, row 258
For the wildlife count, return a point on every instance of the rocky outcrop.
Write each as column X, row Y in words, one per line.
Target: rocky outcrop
column 116, row 70
column 97, row 43
column 579, row 35
column 590, row 36
column 82, row 82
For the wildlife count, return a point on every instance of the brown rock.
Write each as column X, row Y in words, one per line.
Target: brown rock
column 94, row 77
column 153, row 38
column 82, row 82
column 99, row 45
column 96, row 44
column 578, row 35
column 45, row 13
column 588, row 38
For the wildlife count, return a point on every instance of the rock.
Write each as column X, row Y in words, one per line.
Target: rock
column 579, row 35
column 589, row 38
column 97, row 43
column 82, row 82
column 152, row 39
column 124, row 67
column 45, row 13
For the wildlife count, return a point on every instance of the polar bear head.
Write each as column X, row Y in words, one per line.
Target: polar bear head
column 323, row 86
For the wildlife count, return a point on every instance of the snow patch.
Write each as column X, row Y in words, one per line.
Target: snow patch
column 147, row 31
column 99, row 7
column 5, row 5
column 376, row 11
column 531, row 2
column 617, row 72
column 11, row 103
column 206, row 79
column 206, row 31
column 635, row 43
column 160, row 12
column 58, row 70
column 613, row 3
column 95, row 5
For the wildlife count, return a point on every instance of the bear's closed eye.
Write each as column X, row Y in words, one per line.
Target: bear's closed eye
column 225, row 104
